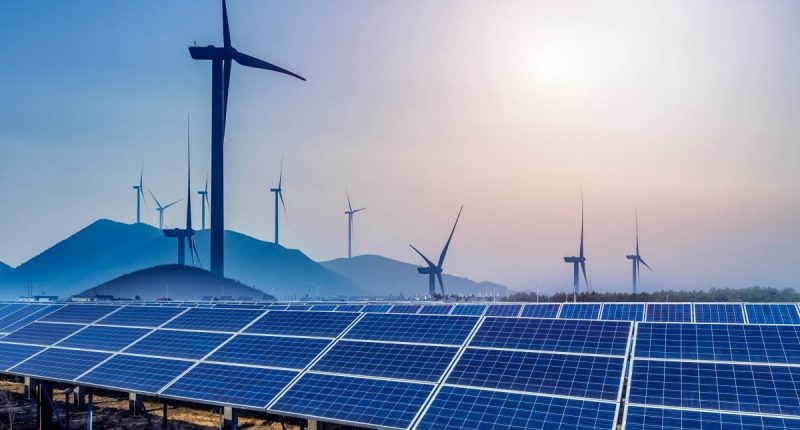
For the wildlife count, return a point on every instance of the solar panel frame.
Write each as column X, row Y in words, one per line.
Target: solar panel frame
column 429, row 329
column 779, row 313
column 11, row 354
column 25, row 320
column 272, row 351
column 376, row 308
column 43, row 333
column 472, row 310
column 350, row 308
column 168, row 343
column 436, row 310
column 324, row 308
column 135, row 373
column 669, row 312
column 227, row 320
column 81, row 314
column 103, row 338
column 141, row 316
column 671, row 418
column 622, row 312
column 586, row 311
column 405, row 309
column 541, row 310
column 303, row 323
column 59, row 364
column 511, row 310
column 719, row 313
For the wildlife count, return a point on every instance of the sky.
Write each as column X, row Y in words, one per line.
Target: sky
column 688, row 111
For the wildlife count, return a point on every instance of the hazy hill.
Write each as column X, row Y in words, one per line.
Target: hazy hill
column 386, row 277
column 175, row 282
column 107, row 249
column 5, row 268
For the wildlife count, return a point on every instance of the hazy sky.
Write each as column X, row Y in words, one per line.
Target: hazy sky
column 688, row 110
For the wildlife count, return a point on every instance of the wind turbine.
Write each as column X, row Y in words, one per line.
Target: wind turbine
column 636, row 259
column 434, row 271
column 185, row 236
column 350, row 214
column 160, row 209
column 578, row 263
column 220, row 58
column 279, row 194
column 139, row 196
column 203, row 203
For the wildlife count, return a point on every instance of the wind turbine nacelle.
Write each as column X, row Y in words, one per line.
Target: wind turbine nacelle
column 632, row 257
column 573, row 259
column 428, row 270
column 209, row 52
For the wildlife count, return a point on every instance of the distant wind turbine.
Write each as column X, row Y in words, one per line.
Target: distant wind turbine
column 279, row 195
column 578, row 263
column 185, row 236
column 350, row 214
column 636, row 259
column 220, row 58
column 140, row 196
column 160, row 209
column 434, row 271
column 203, row 204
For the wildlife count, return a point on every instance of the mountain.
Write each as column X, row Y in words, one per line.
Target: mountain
column 107, row 249
column 173, row 281
column 5, row 268
column 383, row 276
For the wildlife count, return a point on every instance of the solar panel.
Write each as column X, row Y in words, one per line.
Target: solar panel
column 468, row 310
column 503, row 310
column 9, row 309
column 437, row 329
column 436, row 309
column 25, row 320
column 716, row 386
column 59, row 364
column 772, row 314
column 278, row 308
column 20, row 314
column 623, row 312
column 11, row 354
column 669, row 312
column 642, row 418
column 456, row 408
column 299, row 307
column 380, row 309
column 355, row 400
column 718, row 312
column 141, row 316
column 578, row 336
column 309, row 323
column 399, row 361
column 237, row 306
column 275, row 351
column 250, row 387
column 593, row 377
column 80, row 313
column 178, row 344
column 230, row 320
column 323, row 307
column 140, row 374
column 541, row 310
column 42, row 333
column 349, row 308
column 104, row 338
column 586, row 311
column 405, row 309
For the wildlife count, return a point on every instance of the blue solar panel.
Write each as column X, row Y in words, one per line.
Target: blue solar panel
column 541, row 310
column 278, row 308
column 586, row 337
column 586, row 311
column 104, row 338
column 60, row 364
column 42, row 333
column 356, row 400
column 349, row 308
column 669, row 312
column 718, row 313
column 141, row 316
column 275, row 351
column 21, row 314
column 80, row 313
column 438, row 329
column 379, row 309
column 308, row 323
column 299, row 307
column 141, row 374
column 251, row 387
column 503, row 310
column 237, row 306
column 9, row 309
column 717, row 386
column 570, row 375
column 436, row 309
column 11, row 354
column 405, row 309
column 720, row 342
column 469, row 310
column 641, row 418
column 178, row 344
column 623, row 312
column 230, row 320
column 772, row 314
column 399, row 361
column 22, row 321
column 323, row 307
column 456, row 408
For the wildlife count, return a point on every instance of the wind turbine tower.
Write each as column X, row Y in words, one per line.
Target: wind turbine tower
column 350, row 214
column 221, row 58
column 139, row 196
column 434, row 271
column 279, row 195
column 185, row 236
column 636, row 259
column 578, row 263
column 203, row 204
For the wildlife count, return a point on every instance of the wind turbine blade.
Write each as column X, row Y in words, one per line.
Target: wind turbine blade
column 583, row 269
column 197, row 254
column 206, row 187
column 581, row 250
column 636, row 217
column 645, row 264
column 280, row 194
column 176, row 201
column 144, row 198
column 141, row 176
column 441, row 283
column 280, row 177
column 348, row 200
column 430, row 263
column 226, row 32
column 188, row 177
column 154, row 198
column 248, row 61
column 226, row 85
column 447, row 245
column 358, row 210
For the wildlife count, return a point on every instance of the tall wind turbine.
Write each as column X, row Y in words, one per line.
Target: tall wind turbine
column 220, row 58
column 578, row 263
column 636, row 259
column 160, row 209
column 434, row 271
column 350, row 214
column 140, row 196
column 279, row 195
column 185, row 236
column 203, row 204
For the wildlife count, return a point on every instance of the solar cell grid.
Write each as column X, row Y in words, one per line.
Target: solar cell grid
column 380, row 309
column 436, row 309
column 323, row 307
column 780, row 313
column 104, row 338
column 541, row 310
column 80, row 313
column 9, row 309
column 349, row 308
column 42, row 333
column 25, row 320
column 140, row 374
column 306, row 323
column 141, row 316
column 503, row 310
column 399, row 361
column 586, row 311
column 59, row 364
column 21, row 313
column 229, row 320
column 469, row 310
column 275, row 351
column 299, row 307
column 11, row 354
column 623, row 312
column 436, row 329
column 718, row 312
column 456, row 408
column 669, row 312
column 178, row 344
column 641, row 418
column 405, row 309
